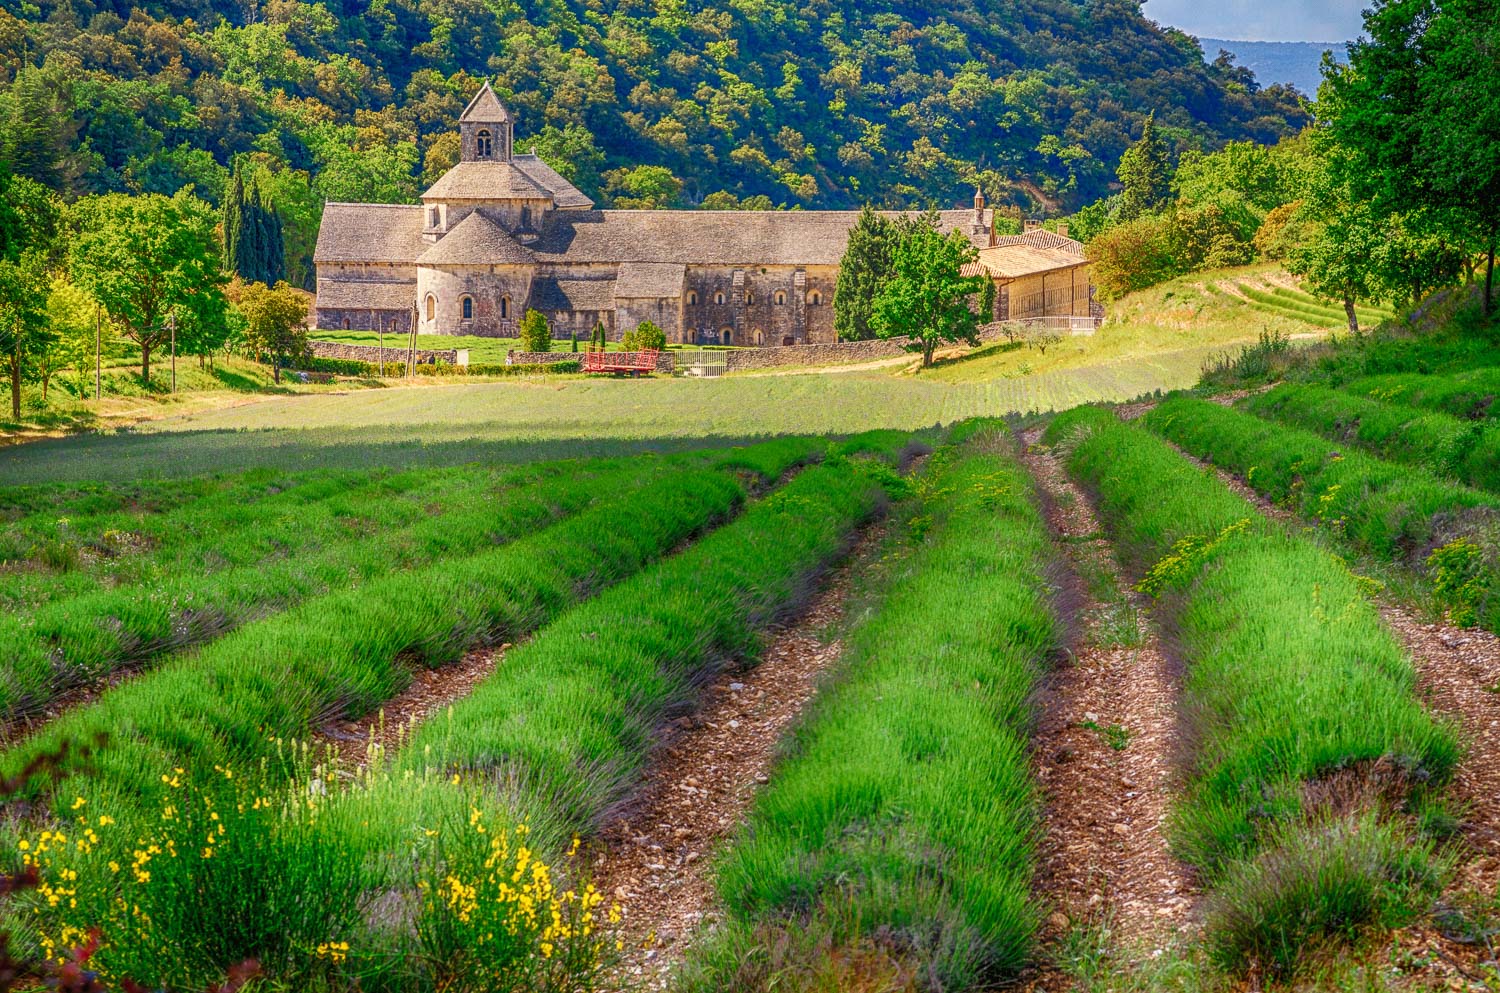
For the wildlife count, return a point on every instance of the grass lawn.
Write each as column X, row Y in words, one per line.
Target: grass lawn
column 1181, row 322
column 461, row 422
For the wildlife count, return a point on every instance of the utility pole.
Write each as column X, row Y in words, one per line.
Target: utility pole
column 380, row 325
column 98, row 379
column 172, row 327
column 411, row 354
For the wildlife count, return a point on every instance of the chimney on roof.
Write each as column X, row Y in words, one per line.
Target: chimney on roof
column 1033, row 224
column 1062, row 228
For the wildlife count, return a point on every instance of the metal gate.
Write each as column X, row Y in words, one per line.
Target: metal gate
column 700, row 362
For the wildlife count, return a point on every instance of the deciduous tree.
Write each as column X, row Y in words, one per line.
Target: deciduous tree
column 143, row 256
column 927, row 298
column 275, row 324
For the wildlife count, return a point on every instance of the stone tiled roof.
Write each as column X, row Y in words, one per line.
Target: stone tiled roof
column 476, row 240
column 485, row 108
column 708, row 237
column 1016, row 260
column 376, row 233
column 650, row 279
column 565, row 196
column 1041, row 238
column 358, row 295
column 486, row 180
column 550, row 293
column 369, row 232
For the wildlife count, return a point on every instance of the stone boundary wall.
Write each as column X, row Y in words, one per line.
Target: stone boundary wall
column 371, row 353
column 514, row 357
column 665, row 361
column 830, row 353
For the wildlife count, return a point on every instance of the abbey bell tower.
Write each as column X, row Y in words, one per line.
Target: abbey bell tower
column 485, row 128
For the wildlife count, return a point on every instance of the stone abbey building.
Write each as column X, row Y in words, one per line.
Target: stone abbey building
column 502, row 232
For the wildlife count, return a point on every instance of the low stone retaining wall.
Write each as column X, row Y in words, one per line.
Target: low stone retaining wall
column 830, row 353
column 664, row 359
column 393, row 353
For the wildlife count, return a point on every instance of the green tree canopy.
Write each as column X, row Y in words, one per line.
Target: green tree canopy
column 275, row 324
column 142, row 257
column 1145, row 174
column 927, row 298
column 535, row 332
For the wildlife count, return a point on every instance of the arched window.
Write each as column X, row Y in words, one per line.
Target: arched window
column 814, row 298
column 692, row 298
column 729, row 336
column 431, row 307
column 749, row 298
column 346, row 324
column 719, row 299
column 484, row 147
column 760, row 337
column 432, row 217
column 781, row 298
column 468, row 308
column 504, row 307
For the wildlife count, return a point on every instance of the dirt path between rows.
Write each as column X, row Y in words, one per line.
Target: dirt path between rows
column 1106, row 741
column 656, row 857
column 1458, row 677
column 430, row 692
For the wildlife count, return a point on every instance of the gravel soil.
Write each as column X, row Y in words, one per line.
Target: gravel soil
column 655, row 858
column 1105, row 747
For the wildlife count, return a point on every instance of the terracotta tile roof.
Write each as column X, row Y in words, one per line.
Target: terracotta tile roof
column 476, row 240
column 485, row 108
column 650, row 279
column 353, row 294
column 1041, row 238
column 549, row 293
column 370, row 232
column 1014, row 261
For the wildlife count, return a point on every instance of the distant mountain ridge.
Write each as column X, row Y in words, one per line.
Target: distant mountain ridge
column 1291, row 62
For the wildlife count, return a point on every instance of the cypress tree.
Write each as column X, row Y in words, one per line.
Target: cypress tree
column 865, row 267
column 233, row 218
column 1145, row 173
column 275, row 244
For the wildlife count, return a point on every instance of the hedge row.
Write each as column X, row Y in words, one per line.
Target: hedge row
column 906, row 806
column 1396, row 513
column 343, row 654
column 1471, row 395
column 1468, row 451
column 568, row 722
column 77, row 640
column 1306, row 734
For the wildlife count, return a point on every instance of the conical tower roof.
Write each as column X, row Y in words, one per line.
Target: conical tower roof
column 485, row 108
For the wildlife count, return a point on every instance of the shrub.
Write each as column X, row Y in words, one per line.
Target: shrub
column 535, row 333
column 645, row 336
column 901, row 828
column 1318, row 884
column 1299, row 699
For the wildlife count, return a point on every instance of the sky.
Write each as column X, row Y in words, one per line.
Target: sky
column 1261, row 20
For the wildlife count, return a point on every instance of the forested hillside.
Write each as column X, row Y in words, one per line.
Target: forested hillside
column 645, row 102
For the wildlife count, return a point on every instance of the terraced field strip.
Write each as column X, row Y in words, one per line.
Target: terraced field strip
column 1458, row 672
column 1106, row 737
column 1467, row 451
column 77, row 641
column 1471, row 394
column 1307, row 734
column 347, row 652
column 1437, row 529
column 917, row 757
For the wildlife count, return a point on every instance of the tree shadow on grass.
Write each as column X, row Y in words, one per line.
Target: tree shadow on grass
column 127, row 456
